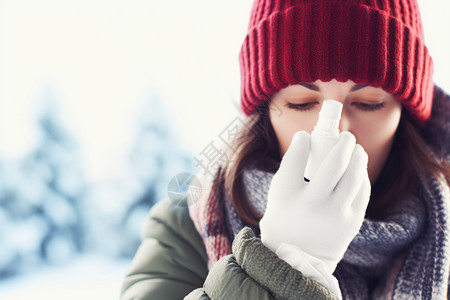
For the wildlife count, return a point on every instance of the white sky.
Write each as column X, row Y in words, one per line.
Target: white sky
column 102, row 59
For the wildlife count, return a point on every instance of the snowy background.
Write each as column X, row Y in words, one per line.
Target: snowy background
column 101, row 104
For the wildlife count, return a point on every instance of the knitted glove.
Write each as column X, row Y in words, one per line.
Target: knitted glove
column 311, row 224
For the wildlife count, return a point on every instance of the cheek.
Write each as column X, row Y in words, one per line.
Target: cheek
column 378, row 150
column 377, row 139
column 287, row 122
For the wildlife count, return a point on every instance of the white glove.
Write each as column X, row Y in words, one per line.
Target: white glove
column 311, row 224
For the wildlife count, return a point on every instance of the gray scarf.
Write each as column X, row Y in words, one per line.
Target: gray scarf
column 403, row 256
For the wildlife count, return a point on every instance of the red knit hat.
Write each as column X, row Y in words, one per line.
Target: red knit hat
column 375, row 42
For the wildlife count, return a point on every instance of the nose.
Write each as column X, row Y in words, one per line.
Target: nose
column 344, row 124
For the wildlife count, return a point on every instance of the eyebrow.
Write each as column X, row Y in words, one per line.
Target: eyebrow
column 358, row 87
column 314, row 87
column 310, row 86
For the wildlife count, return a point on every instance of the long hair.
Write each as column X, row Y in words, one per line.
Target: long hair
column 257, row 146
column 409, row 154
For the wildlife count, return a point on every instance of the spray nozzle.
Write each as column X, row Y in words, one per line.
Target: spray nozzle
column 329, row 116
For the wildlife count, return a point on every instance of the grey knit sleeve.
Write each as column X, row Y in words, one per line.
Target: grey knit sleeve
column 273, row 273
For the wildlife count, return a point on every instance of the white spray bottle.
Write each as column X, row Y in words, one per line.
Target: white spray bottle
column 324, row 135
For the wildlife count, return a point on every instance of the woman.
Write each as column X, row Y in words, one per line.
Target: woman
column 372, row 222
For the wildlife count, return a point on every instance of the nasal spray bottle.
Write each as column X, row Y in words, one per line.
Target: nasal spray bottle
column 324, row 136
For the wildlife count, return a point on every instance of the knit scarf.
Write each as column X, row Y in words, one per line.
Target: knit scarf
column 405, row 255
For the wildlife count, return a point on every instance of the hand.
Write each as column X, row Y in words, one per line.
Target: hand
column 320, row 217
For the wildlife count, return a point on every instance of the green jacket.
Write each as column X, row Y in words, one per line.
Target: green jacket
column 172, row 263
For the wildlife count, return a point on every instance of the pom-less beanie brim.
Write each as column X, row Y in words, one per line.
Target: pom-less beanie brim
column 337, row 40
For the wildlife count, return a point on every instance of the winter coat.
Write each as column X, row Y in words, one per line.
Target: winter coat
column 172, row 263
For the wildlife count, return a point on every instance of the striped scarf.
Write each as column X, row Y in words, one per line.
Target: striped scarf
column 403, row 256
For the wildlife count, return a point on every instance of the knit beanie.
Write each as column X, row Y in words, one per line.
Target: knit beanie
column 375, row 42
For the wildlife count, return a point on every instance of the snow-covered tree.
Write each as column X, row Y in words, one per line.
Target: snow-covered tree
column 40, row 217
column 156, row 157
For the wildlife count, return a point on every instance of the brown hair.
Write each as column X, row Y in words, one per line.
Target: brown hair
column 258, row 146
column 409, row 154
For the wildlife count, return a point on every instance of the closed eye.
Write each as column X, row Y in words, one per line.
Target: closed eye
column 368, row 106
column 301, row 106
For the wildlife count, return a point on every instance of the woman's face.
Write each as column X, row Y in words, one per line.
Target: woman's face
column 371, row 114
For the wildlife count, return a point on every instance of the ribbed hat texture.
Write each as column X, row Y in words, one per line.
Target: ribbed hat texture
column 375, row 42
